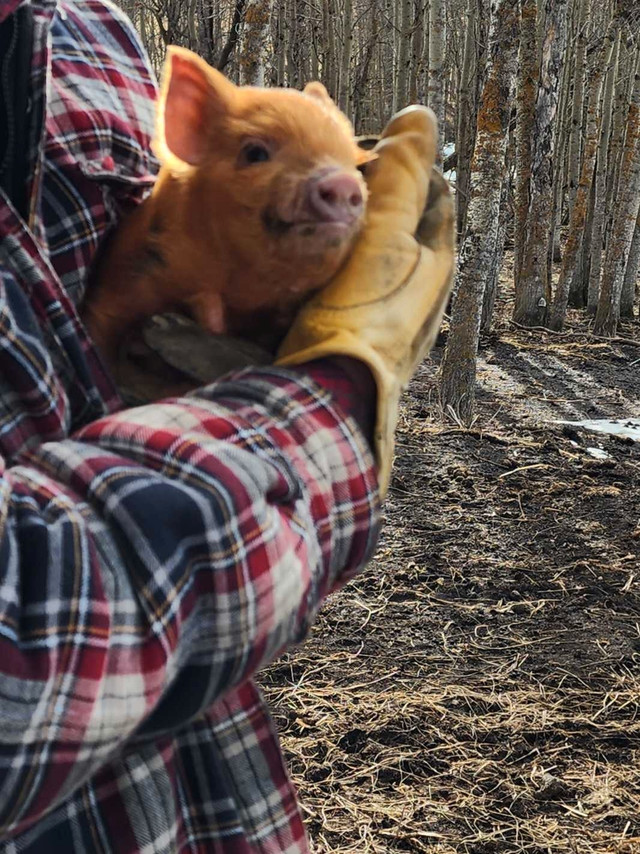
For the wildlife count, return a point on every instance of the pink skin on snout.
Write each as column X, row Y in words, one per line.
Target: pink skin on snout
column 334, row 197
column 329, row 198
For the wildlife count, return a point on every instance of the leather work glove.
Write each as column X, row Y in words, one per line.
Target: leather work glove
column 385, row 306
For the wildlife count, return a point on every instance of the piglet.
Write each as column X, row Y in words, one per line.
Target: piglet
column 258, row 201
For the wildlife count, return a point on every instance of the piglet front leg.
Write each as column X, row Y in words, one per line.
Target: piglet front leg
column 207, row 309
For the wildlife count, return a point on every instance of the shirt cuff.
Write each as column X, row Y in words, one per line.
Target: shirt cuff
column 352, row 386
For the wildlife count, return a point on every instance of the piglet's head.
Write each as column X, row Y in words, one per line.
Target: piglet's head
column 274, row 174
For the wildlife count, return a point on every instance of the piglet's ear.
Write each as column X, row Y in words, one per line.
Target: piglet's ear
column 316, row 90
column 193, row 97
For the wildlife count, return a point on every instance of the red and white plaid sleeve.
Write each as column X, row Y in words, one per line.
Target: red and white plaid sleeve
column 171, row 551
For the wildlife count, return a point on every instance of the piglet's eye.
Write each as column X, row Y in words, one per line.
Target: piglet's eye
column 254, row 152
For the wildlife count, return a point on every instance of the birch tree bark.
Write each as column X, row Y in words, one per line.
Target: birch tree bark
column 595, row 244
column 578, row 100
column 491, row 290
column 362, row 75
column 423, row 78
column 525, row 108
column 458, row 370
column 404, row 54
column 533, row 288
column 416, row 51
column 560, row 169
column 467, row 115
column 281, row 46
column 621, row 106
column 345, row 59
column 631, row 275
column 254, row 50
column 625, row 217
column 436, row 66
column 329, row 62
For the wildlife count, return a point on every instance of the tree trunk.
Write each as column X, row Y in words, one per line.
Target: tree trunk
column 631, row 275
column 362, row 77
column 255, row 48
column 404, row 54
column 625, row 217
column 579, row 210
column 316, row 41
column 580, row 284
column 345, row 60
column 596, row 243
column 281, row 46
column 436, row 67
column 329, row 64
column 491, row 290
column 578, row 100
column 467, row 115
column 457, row 375
column 416, row 52
column 233, row 36
column 525, row 108
column 533, row 289
column 626, row 63
column 423, row 79
column 560, row 169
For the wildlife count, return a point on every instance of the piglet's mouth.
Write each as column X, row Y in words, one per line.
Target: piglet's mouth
column 328, row 203
column 320, row 229
column 274, row 224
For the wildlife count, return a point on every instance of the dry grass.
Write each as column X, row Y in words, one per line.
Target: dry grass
column 477, row 689
column 420, row 759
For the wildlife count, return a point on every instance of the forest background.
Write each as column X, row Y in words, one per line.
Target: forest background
column 539, row 110
column 477, row 691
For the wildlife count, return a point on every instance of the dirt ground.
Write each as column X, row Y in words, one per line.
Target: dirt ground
column 477, row 689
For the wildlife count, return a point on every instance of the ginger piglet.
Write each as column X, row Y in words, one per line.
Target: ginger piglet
column 258, row 202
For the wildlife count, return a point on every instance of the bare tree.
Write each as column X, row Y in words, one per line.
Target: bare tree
column 467, row 113
column 404, row 7
column 525, row 103
column 625, row 218
column 601, row 60
column 345, row 59
column 255, row 42
column 597, row 229
column 578, row 100
column 458, row 371
column 436, row 64
column 631, row 275
column 533, row 288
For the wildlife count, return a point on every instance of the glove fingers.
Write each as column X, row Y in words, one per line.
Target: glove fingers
column 399, row 179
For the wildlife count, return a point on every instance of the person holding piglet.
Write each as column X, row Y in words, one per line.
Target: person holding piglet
column 153, row 559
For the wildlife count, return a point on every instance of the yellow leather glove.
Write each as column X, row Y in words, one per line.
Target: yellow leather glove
column 385, row 306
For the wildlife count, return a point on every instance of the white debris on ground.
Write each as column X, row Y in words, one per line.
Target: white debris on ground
column 598, row 453
column 625, row 428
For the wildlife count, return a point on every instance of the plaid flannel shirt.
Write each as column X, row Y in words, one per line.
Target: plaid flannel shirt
column 151, row 559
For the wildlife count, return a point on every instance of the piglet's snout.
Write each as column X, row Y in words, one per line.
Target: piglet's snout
column 334, row 197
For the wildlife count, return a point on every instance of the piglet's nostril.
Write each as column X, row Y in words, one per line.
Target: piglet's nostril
column 328, row 195
column 336, row 197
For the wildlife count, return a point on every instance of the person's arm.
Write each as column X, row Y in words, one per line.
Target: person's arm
column 160, row 557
